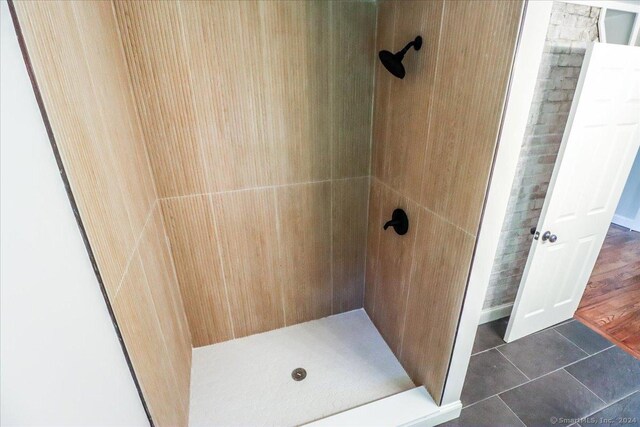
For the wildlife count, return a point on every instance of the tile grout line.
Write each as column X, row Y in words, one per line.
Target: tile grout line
column 591, row 391
column 511, row 410
column 535, row 333
column 135, row 247
column 431, row 102
column 134, row 101
column 571, row 342
column 102, row 120
column 409, row 279
column 162, row 333
column 371, row 117
column 331, row 156
column 167, row 244
column 377, row 258
column 366, row 246
column 513, row 364
column 204, row 165
column 581, row 323
column 387, row 117
column 331, row 243
column 220, row 260
column 264, row 187
column 280, row 250
column 534, row 379
column 615, row 401
column 426, row 208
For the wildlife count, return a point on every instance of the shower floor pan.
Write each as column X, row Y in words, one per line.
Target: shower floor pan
column 248, row 381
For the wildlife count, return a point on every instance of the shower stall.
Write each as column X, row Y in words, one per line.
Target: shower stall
column 232, row 165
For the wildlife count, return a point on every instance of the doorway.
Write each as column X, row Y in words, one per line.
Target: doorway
column 524, row 370
column 543, row 149
column 597, row 151
column 610, row 304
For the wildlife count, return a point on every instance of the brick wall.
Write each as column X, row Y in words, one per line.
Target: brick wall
column 571, row 29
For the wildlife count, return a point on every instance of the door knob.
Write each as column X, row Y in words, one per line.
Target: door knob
column 550, row 237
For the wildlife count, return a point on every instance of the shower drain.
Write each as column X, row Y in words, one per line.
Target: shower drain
column 298, row 374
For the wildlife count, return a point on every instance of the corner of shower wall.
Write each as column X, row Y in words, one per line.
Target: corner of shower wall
column 261, row 160
column 76, row 54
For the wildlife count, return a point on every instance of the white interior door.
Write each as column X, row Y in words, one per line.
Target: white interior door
column 598, row 147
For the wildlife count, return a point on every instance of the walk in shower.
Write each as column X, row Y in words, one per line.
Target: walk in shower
column 233, row 164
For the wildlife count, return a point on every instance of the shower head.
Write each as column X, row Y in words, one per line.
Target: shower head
column 393, row 61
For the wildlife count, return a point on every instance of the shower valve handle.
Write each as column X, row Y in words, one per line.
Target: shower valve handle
column 399, row 222
column 391, row 223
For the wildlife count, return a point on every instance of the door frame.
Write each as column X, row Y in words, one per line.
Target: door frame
column 518, row 102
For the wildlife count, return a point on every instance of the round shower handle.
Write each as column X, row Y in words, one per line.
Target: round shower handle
column 399, row 221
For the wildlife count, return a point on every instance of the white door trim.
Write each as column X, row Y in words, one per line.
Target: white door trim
column 610, row 4
column 523, row 81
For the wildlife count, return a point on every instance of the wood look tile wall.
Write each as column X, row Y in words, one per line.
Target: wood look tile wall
column 220, row 155
column 80, row 68
column 434, row 135
column 391, row 277
column 257, row 117
column 349, row 237
column 304, row 219
column 140, row 326
column 248, row 228
column 196, row 254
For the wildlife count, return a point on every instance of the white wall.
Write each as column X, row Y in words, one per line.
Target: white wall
column 60, row 359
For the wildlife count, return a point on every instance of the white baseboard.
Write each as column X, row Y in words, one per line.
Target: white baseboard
column 413, row 407
column 494, row 313
column 625, row 222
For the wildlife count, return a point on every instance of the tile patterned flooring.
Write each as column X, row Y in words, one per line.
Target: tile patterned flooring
column 564, row 375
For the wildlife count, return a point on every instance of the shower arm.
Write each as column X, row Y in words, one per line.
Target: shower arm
column 405, row 49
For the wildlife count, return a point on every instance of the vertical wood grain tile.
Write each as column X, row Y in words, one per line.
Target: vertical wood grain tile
column 385, row 29
column 246, row 222
column 191, row 230
column 349, row 234
column 163, row 285
column 473, row 72
column 153, row 42
column 440, row 269
column 64, row 79
column 78, row 60
column 304, row 228
column 394, row 269
column 229, row 91
column 410, row 99
column 114, row 101
column 351, row 56
column 375, row 224
column 295, row 43
column 434, row 135
column 136, row 315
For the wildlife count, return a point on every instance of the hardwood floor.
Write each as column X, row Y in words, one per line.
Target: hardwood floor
column 610, row 304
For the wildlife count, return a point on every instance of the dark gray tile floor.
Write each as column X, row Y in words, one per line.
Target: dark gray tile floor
column 564, row 375
column 541, row 353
